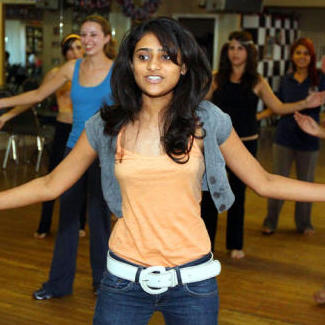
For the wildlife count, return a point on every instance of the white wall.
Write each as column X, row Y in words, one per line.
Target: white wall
column 227, row 24
column 15, row 41
column 120, row 24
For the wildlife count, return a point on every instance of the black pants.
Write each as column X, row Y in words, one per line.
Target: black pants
column 235, row 216
column 64, row 259
column 62, row 131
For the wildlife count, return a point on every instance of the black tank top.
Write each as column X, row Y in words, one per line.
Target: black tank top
column 240, row 104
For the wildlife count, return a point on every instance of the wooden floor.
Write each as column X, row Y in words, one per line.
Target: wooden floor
column 272, row 285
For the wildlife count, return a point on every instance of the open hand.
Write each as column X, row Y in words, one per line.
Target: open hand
column 308, row 124
column 315, row 99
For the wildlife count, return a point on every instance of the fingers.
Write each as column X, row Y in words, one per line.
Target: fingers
column 319, row 97
column 315, row 99
column 322, row 94
column 299, row 117
column 302, row 120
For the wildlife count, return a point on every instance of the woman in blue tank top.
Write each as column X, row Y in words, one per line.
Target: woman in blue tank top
column 90, row 89
column 71, row 49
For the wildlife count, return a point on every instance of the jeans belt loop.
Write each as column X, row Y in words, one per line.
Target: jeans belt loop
column 157, row 280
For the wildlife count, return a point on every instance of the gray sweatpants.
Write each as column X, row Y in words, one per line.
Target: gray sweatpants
column 283, row 158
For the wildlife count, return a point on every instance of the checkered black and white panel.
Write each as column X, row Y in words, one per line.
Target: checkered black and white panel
column 273, row 36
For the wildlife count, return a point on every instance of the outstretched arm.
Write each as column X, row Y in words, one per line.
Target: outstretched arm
column 309, row 125
column 22, row 108
column 54, row 184
column 46, row 88
column 273, row 102
column 248, row 169
column 12, row 113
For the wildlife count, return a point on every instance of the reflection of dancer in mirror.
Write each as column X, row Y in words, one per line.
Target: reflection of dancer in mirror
column 291, row 144
column 71, row 49
column 310, row 126
column 236, row 89
column 90, row 89
column 158, row 145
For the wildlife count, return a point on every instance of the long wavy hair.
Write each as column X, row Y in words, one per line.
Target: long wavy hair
column 312, row 71
column 110, row 47
column 179, row 121
column 250, row 77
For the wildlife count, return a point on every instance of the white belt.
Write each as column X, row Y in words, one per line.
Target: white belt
column 156, row 279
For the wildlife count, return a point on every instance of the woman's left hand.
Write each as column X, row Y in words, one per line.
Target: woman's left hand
column 315, row 99
column 308, row 124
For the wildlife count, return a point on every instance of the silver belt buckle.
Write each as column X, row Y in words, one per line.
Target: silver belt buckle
column 143, row 279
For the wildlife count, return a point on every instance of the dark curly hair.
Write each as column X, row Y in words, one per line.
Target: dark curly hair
column 180, row 121
column 250, row 77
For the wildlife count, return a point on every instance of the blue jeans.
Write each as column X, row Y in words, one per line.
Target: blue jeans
column 124, row 302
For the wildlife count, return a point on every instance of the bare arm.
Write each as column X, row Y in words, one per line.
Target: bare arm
column 213, row 86
column 46, row 88
column 22, row 108
column 12, row 113
column 264, row 114
column 54, row 184
column 248, row 169
column 265, row 92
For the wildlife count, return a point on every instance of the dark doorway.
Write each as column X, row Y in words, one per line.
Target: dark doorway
column 203, row 31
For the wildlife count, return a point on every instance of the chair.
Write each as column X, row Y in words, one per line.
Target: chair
column 24, row 124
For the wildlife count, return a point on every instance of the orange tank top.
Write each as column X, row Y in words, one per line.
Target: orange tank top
column 161, row 222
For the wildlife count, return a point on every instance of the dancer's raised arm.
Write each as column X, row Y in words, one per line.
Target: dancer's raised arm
column 22, row 108
column 265, row 184
column 54, row 184
column 46, row 88
column 267, row 95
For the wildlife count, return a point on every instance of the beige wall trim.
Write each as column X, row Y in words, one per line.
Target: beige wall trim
column 295, row 3
column 18, row 2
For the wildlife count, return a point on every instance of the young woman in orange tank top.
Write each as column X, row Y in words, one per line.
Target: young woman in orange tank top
column 157, row 145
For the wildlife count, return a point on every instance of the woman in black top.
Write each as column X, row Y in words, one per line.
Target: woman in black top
column 236, row 89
